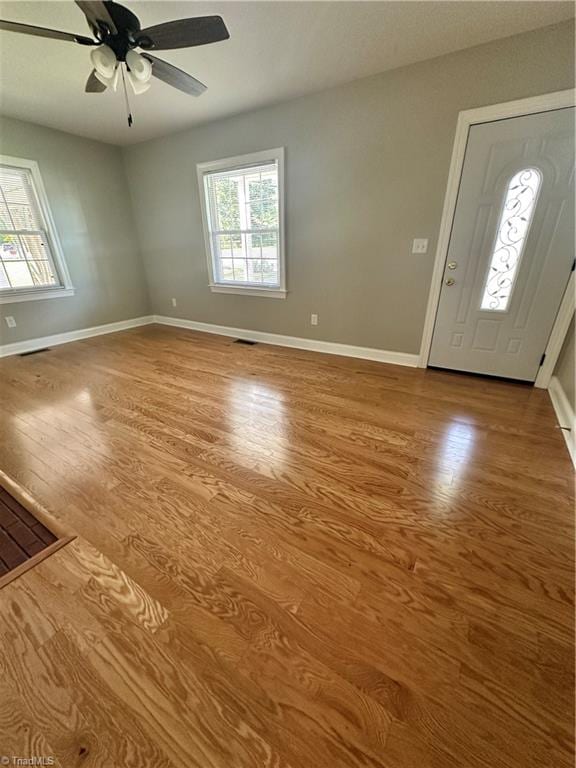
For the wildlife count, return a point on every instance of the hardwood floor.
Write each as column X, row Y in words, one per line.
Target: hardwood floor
column 285, row 559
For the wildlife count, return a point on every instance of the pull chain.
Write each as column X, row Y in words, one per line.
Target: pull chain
column 130, row 121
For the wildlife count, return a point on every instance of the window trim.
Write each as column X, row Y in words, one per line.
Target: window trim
column 65, row 288
column 241, row 161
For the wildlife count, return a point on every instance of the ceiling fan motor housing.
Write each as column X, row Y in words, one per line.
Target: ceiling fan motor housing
column 127, row 26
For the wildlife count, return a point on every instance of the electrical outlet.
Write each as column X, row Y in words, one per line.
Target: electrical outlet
column 10, row 322
column 420, row 245
column 313, row 319
column 174, row 303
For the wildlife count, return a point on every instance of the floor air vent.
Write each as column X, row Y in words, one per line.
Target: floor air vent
column 34, row 352
column 246, row 341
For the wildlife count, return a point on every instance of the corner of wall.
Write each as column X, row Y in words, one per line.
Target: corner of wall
column 564, row 414
column 135, row 228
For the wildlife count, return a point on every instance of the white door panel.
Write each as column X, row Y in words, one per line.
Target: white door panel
column 528, row 163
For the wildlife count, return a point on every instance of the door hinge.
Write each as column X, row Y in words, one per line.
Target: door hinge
column 542, row 359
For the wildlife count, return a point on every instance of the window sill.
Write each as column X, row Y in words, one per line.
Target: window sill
column 270, row 293
column 25, row 295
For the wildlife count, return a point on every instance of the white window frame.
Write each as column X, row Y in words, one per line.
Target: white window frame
column 231, row 163
column 65, row 287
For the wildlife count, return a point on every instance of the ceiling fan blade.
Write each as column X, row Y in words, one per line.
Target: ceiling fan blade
column 97, row 15
column 170, row 74
column 183, row 33
column 54, row 34
column 93, row 85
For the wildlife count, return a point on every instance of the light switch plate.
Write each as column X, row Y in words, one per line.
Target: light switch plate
column 10, row 322
column 420, row 245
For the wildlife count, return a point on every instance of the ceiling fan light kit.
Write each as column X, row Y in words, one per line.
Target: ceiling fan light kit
column 109, row 82
column 105, row 66
column 117, row 33
column 137, row 85
column 139, row 67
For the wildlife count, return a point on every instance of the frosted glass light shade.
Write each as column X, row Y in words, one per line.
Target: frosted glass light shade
column 109, row 82
column 139, row 67
column 104, row 61
column 137, row 85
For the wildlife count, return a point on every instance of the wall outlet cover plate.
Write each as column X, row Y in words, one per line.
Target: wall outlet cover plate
column 420, row 245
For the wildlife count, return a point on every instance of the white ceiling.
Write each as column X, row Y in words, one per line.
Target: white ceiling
column 277, row 51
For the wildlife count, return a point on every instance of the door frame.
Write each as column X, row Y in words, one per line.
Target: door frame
column 466, row 119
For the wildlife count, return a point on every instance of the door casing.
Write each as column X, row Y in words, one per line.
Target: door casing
column 467, row 118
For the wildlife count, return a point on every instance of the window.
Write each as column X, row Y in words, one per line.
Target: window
column 513, row 227
column 31, row 262
column 242, row 209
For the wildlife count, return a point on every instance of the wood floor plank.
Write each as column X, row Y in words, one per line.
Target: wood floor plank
column 285, row 559
column 21, row 737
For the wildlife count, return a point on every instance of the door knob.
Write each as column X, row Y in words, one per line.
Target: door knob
column 452, row 264
column 449, row 282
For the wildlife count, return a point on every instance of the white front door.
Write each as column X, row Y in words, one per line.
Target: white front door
column 511, row 247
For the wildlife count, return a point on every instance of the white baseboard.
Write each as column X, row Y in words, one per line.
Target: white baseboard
column 314, row 345
column 565, row 415
column 18, row 347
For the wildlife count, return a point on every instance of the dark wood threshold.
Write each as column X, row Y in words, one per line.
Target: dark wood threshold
column 24, row 567
column 29, row 532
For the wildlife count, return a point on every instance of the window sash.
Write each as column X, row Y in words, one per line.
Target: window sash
column 239, row 173
column 251, row 259
column 31, row 201
column 57, row 283
column 219, row 258
column 236, row 171
column 268, row 230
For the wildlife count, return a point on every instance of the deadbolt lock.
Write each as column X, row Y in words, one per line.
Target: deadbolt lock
column 452, row 264
column 450, row 281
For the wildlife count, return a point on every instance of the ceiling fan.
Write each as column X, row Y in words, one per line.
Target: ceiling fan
column 118, row 33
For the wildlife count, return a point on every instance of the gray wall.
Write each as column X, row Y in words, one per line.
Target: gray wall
column 366, row 170
column 88, row 194
column 566, row 367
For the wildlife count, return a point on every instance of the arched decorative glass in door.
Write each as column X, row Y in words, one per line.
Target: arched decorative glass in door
column 513, row 227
